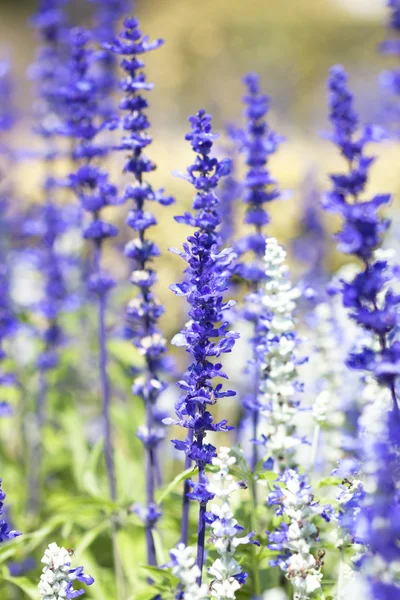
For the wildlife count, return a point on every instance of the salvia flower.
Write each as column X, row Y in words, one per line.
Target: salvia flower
column 372, row 303
column 144, row 310
column 48, row 222
column 206, row 335
column 107, row 15
column 376, row 519
column 227, row 574
column 49, row 69
column 297, row 537
column 8, row 321
column 8, row 325
column 184, row 567
column 82, row 123
column 390, row 79
column 7, row 110
column 279, row 385
column 257, row 142
column 5, row 532
column 57, row 578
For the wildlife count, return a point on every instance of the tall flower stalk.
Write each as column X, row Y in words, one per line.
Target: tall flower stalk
column 8, row 322
column 82, row 123
column 48, row 72
column 279, row 384
column 144, row 310
column 107, row 14
column 206, row 335
column 390, row 79
column 257, row 142
column 371, row 303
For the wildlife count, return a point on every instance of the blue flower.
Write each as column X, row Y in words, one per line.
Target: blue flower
column 5, row 532
column 368, row 296
column 107, row 15
column 257, row 142
column 7, row 110
column 206, row 335
column 144, row 310
column 390, row 79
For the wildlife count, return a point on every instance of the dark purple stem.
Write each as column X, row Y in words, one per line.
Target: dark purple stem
column 186, row 500
column 201, row 535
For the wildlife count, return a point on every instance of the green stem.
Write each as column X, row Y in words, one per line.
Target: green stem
column 119, row 574
column 254, row 562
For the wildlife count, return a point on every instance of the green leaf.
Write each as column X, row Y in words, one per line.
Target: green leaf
column 23, row 583
column 175, row 482
column 90, row 479
column 91, row 535
column 328, row 481
column 146, row 593
column 160, row 576
column 125, row 352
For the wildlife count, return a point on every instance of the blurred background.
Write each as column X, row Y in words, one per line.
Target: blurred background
column 209, row 46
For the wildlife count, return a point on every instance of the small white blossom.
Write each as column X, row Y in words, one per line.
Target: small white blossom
column 224, row 530
column 278, row 387
column 185, row 569
column 57, row 575
column 298, row 534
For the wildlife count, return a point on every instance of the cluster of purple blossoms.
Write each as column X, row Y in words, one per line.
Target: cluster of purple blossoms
column 107, row 15
column 8, row 325
column 8, row 322
column 367, row 297
column 206, row 335
column 47, row 222
column 49, row 68
column 7, row 111
column 82, row 124
column 390, row 79
column 257, row 142
column 144, row 310
column 5, row 532
column 373, row 304
column 377, row 524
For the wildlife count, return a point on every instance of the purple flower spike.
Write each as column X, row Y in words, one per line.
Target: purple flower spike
column 257, row 142
column 206, row 335
column 361, row 235
column 144, row 310
column 390, row 79
column 107, row 15
column 5, row 532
